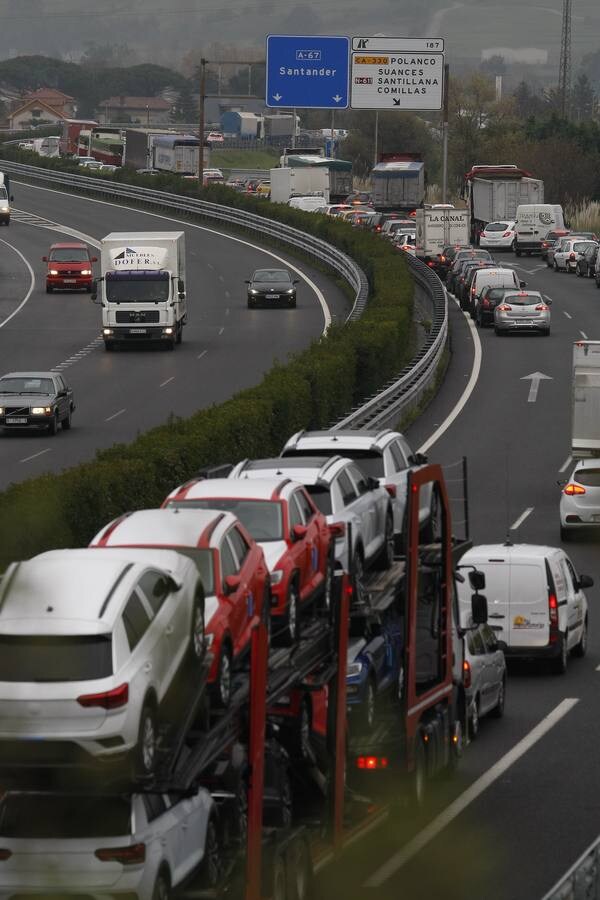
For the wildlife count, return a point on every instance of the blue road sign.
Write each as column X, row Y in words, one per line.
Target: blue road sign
column 307, row 72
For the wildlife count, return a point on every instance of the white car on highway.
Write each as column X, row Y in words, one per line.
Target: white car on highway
column 580, row 499
column 90, row 642
column 569, row 251
column 498, row 235
column 92, row 845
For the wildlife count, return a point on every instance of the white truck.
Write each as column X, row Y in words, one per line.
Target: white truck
column 142, row 287
column 585, row 413
column 438, row 226
column 493, row 194
column 175, row 153
column 287, row 182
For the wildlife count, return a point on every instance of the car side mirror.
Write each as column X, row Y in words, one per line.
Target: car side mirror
column 372, row 483
column 44, row 259
column 181, row 286
column 477, row 580
column 299, row 532
column 549, row 301
column 232, row 583
column 421, row 459
column 479, row 609
column 522, row 284
column 585, row 581
column 246, row 281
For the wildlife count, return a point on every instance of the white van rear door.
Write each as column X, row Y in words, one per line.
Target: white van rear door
column 529, row 615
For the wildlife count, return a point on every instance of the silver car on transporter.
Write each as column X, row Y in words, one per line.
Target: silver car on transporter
column 90, row 642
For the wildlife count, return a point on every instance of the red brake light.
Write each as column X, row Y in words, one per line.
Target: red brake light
column 572, row 489
column 572, row 256
column 5, row 854
column 507, row 234
column 466, row 673
column 485, row 302
column 108, row 699
column 553, row 610
column 542, row 307
column 372, row 762
column 391, row 489
column 504, row 307
column 127, row 856
column 337, row 529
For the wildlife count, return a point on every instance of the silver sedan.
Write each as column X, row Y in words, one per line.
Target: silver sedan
column 580, row 499
column 522, row 311
column 484, row 676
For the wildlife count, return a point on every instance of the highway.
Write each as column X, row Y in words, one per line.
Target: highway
column 515, row 833
column 226, row 347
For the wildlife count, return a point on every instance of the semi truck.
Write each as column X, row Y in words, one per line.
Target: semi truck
column 290, row 182
column 340, row 170
column 142, row 288
column 69, row 139
column 438, row 226
column 493, row 193
column 585, row 408
column 398, row 182
column 176, row 153
column 139, row 146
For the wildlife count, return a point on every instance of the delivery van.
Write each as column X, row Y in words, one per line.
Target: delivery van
column 536, row 604
column 534, row 221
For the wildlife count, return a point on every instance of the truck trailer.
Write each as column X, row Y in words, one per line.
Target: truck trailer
column 290, row 182
column 439, row 226
column 585, row 407
column 340, row 171
column 69, row 140
column 139, row 146
column 142, row 287
column 493, row 193
column 398, row 182
column 176, row 153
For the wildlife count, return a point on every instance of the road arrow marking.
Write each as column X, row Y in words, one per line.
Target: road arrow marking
column 337, row 98
column 535, row 379
column 277, row 97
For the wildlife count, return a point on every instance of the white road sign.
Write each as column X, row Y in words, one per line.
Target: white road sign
column 384, row 76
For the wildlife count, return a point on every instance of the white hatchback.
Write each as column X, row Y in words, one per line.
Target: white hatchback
column 569, row 251
column 498, row 235
column 90, row 642
column 139, row 845
column 580, row 499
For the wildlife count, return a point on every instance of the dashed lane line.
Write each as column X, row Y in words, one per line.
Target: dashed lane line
column 168, row 381
column 583, row 335
column 566, row 464
column 115, row 415
column 568, row 315
column 518, row 522
column 35, row 455
column 200, row 355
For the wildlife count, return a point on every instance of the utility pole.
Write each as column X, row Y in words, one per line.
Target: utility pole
column 332, row 133
column 564, row 74
column 445, row 117
column 201, row 124
column 376, row 153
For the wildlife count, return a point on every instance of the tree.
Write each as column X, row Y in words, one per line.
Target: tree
column 583, row 98
column 526, row 103
column 103, row 56
column 590, row 64
column 186, row 107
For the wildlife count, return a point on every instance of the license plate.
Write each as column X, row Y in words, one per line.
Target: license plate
column 272, row 296
column 16, row 420
column 70, row 280
column 137, row 331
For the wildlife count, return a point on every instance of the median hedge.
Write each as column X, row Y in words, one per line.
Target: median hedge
column 311, row 390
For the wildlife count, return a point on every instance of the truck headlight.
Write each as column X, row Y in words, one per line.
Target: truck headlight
column 41, row 410
column 353, row 669
column 276, row 576
column 86, row 271
column 1, row 410
column 167, row 331
column 6, row 209
column 107, row 331
column 53, row 272
column 291, row 291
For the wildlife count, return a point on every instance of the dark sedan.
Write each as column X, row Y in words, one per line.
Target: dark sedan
column 39, row 400
column 487, row 302
column 271, row 287
column 586, row 264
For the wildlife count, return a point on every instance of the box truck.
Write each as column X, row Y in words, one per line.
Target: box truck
column 438, row 226
column 585, row 411
column 493, row 194
column 139, row 145
column 340, row 170
column 176, row 153
column 398, row 182
column 142, row 287
column 287, row 182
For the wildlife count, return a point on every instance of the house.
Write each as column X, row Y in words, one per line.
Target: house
column 34, row 111
column 137, row 110
column 62, row 103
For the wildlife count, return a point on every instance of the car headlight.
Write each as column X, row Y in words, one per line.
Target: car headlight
column 252, row 291
column 291, row 291
column 41, row 410
column 53, row 272
column 86, row 271
column 1, row 410
column 6, row 209
column 276, row 576
column 353, row 669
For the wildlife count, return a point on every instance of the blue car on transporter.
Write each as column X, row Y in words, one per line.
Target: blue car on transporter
column 374, row 661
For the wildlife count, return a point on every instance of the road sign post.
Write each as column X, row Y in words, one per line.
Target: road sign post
column 307, row 71
column 397, row 73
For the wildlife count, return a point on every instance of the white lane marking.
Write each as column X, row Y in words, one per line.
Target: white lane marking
column 399, row 859
column 470, row 387
column 227, row 294
column 35, row 455
column 566, row 464
column 597, row 668
column 319, row 294
column 518, row 522
column 221, row 278
column 29, row 292
column 568, row 315
column 81, row 354
column 200, row 355
column 358, row 835
column 583, row 335
column 221, row 330
column 168, row 381
column 227, row 311
column 62, row 229
column 114, row 415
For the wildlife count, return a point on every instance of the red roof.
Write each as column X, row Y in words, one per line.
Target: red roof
column 47, row 94
column 136, row 103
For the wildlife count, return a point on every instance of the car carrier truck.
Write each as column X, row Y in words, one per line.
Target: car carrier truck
column 142, row 287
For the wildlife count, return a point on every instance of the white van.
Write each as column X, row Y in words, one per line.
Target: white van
column 534, row 221
column 308, row 204
column 485, row 277
column 536, row 604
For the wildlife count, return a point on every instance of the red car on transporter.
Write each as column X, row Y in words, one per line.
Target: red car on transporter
column 232, row 568
column 69, row 267
column 293, row 533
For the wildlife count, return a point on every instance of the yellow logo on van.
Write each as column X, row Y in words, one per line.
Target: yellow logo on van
column 521, row 622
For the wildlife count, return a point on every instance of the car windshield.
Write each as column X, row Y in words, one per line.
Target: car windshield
column 321, row 497
column 523, row 299
column 149, row 289
column 203, row 560
column 69, row 254
column 56, row 816
column 32, row 658
column 582, row 246
column 26, row 385
column 262, row 518
column 589, row 477
column 271, row 275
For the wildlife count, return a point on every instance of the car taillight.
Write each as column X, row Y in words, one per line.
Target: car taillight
column 431, row 264
column 485, row 302
column 5, row 854
column 504, row 307
column 572, row 256
column 391, row 489
column 473, row 291
column 108, row 699
column 442, row 259
column 553, row 610
column 337, row 529
column 572, row 489
column 371, row 762
column 466, row 673
column 542, row 307
column 127, row 856
column 507, row 234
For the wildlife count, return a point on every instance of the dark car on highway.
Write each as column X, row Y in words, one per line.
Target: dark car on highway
column 549, row 240
column 271, row 287
column 487, row 303
column 460, row 259
column 38, row 400
column 445, row 258
column 586, row 264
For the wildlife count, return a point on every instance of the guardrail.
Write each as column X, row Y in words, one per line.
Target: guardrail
column 315, row 247
column 386, row 407
column 582, row 881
